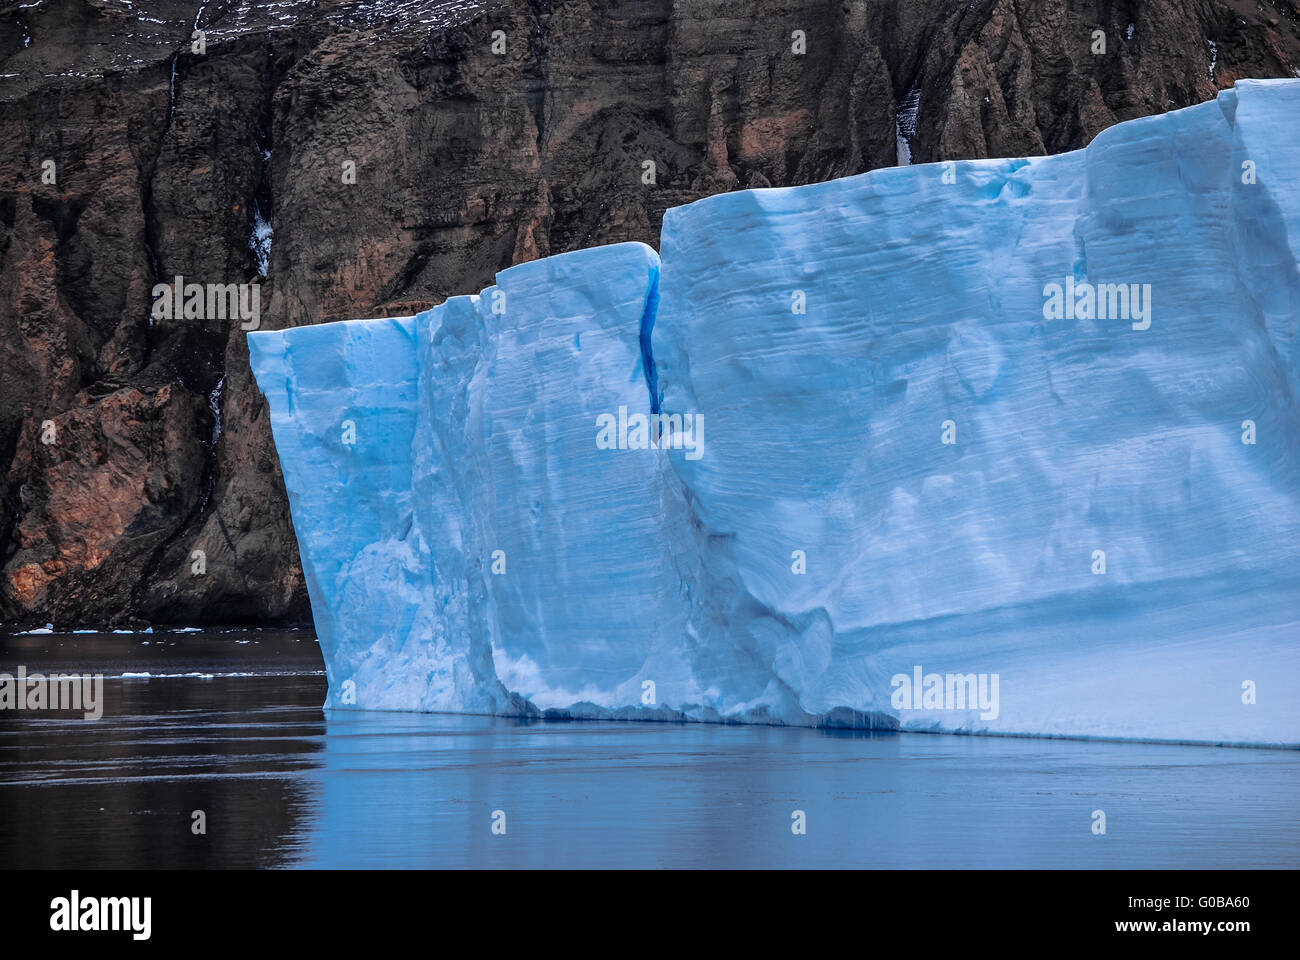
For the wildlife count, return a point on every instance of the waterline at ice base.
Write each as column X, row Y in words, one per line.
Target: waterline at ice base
column 1004, row 446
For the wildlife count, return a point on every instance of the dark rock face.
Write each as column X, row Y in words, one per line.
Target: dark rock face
column 136, row 451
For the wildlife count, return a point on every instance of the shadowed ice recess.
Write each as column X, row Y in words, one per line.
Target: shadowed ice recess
column 913, row 447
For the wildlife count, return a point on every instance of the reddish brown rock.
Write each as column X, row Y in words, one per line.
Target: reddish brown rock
column 466, row 161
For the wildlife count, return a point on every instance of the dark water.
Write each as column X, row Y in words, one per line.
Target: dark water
column 284, row 785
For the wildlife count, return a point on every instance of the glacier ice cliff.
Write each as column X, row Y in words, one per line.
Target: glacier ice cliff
column 1001, row 446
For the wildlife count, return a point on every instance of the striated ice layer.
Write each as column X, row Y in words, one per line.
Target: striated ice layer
column 342, row 398
column 833, row 334
column 1003, row 446
column 558, row 556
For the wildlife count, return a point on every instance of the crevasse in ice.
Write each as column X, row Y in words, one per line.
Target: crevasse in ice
column 1002, row 446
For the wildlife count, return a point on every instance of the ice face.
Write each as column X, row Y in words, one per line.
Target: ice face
column 1002, row 446
column 863, row 322
column 563, row 548
column 343, row 413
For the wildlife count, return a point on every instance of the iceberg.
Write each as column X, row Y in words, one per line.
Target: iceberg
column 998, row 447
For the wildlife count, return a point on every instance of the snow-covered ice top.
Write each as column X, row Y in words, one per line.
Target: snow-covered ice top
column 997, row 446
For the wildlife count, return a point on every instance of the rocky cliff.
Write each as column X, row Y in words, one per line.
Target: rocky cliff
column 368, row 159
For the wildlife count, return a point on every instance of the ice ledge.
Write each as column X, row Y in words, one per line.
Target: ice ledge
column 474, row 548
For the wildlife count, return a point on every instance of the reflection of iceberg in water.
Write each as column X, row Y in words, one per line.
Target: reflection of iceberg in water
column 409, row 790
column 909, row 454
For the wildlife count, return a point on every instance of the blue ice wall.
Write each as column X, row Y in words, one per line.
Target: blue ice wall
column 1015, row 429
column 559, row 552
column 838, row 334
column 342, row 402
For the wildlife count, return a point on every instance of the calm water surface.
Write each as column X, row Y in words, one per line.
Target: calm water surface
column 283, row 784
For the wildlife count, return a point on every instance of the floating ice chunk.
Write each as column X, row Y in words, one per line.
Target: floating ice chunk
column 1007, row 446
